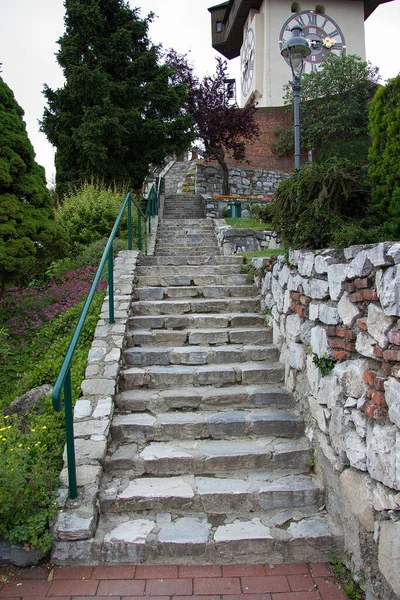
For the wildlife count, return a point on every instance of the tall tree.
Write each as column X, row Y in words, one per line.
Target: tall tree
column 333, row 108
column 221, row 125
column 119, row 110
column 384, row 156
column 28, row 234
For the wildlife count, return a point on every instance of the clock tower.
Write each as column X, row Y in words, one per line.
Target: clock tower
column 256, row 29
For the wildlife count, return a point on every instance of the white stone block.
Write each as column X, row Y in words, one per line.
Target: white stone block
column 392, row 397
column 379, row 256
column 348, row 311
column 293, row 327
column 319, row 341
column 389, row 554
column 317, row 289
column 355, row 486
column 394, row 253
column 384, row 498
column 328, row 314
column 317, row 411
column 360, row 421
column 356, row 450
column 381, row 453
column 313, row 311
column 336, row 279
column 306, row 263
column 365, row 344
column 378, row 324
column 82, row 410
column 350, row 375
column 389, row 291
column 294, row 282
column 297, row 356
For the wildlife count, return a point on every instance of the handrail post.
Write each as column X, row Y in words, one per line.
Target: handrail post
column 139, row 230
column 110, row 285
column 69, row 426
column 129, row 221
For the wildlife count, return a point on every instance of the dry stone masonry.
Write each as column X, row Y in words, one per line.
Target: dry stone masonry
column 335, row 317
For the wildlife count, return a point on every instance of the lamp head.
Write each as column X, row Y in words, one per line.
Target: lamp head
column 296, row 48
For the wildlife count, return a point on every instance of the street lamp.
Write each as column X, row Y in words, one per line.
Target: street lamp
column 295, row 49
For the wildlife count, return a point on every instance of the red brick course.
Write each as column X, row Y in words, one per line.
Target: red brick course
column 298, row 581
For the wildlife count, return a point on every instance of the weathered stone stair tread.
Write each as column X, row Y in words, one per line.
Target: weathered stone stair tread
column 193, row 337
column 250, row 492
column 171, row 376
column 194, row 305
column 192, row 270
column 185, row 260
column 198, row 321
column 224, row 281
column 199, row 355
column 195, row 291
column 210, row 456
column 203, row 398
column 194, row 539
column 205, row 424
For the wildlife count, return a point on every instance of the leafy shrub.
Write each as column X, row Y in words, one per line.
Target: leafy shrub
column 264, row 212
column 31, row 459
column 89, row 214
column 384, row 156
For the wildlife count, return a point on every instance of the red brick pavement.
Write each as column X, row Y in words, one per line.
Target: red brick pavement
column 227, row 582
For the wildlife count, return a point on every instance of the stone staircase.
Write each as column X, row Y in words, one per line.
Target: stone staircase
column 180, row 200
column 208, row 461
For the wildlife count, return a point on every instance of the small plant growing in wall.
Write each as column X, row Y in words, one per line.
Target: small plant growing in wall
column 324, row 363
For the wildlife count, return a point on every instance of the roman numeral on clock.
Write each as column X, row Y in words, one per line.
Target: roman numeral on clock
column 312, row 19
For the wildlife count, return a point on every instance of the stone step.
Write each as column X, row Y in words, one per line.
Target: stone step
column 170, row 376
column 203, row 398
column 234, row 320
column 155, row 337
column 199, row 355
column 238, row 279
column 205, row 457
column 191, row 270
column 186, row 260
column 194, row 252
column 179, row 425
column 249, row 492
column 153, row 292
column 195, row 305
column 299, row 535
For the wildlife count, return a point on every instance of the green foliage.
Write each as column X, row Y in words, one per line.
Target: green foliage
column 333, row 108
column 324, row 364
column 29, row 236
column 384, row 156
column 262, row 253
column 119, row 110
column 316, row 201
column 264, row 213
column 30, row 462
column 88, row 214
column 350, row 587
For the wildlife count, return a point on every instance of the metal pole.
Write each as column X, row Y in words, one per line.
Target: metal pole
column 110, row 285
column 129, row 222
column 69, row 427
column 296, row 100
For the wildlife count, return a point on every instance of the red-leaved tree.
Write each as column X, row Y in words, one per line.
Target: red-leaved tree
column 221, row 125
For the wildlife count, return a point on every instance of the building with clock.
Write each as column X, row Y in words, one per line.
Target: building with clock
column 256, row 29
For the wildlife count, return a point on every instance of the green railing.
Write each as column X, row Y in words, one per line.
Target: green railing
column 63, row 381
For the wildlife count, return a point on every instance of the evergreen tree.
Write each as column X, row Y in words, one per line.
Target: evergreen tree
column 119, row 110
column 385, row 156
column 28, row 234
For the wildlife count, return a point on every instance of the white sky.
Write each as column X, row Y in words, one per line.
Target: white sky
column 29, row 30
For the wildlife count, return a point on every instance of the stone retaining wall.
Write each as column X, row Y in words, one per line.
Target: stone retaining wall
column 233, row 240
column 77, row 519
column 336, row 320
column 243, row 182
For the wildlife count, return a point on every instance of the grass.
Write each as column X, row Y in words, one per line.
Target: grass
column 262, row 253
column 240, row 223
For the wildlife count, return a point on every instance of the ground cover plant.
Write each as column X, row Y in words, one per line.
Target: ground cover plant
column 250, row 223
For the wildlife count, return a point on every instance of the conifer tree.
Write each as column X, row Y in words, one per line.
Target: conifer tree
column 119, row 110
column 28, row 233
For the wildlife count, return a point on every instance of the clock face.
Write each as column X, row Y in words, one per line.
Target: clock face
column 247, row 60
column 323, row 34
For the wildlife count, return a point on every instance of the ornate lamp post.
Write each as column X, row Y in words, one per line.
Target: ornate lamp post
column 295, row 50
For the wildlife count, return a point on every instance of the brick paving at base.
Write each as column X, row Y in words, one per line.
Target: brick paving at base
column 298, row 581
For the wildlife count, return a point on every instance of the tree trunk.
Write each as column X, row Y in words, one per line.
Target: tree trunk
column 220, row 156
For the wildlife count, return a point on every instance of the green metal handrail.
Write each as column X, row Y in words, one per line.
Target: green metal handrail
column 63, row 380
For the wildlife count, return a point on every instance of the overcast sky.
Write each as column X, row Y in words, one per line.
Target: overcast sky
column 29, row 30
